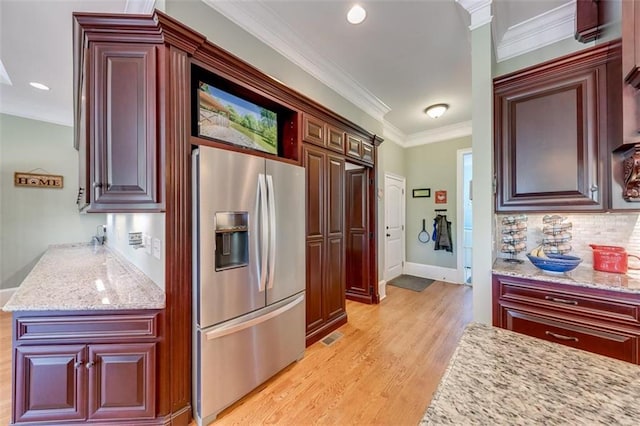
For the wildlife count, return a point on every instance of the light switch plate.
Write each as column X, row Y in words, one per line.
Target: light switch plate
column 157, row 248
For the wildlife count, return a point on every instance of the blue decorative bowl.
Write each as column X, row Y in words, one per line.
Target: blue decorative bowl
column 555, row 262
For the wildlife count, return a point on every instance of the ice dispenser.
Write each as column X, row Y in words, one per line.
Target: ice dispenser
column 232, row 240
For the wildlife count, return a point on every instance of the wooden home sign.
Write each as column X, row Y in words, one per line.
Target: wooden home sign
column 37, row 180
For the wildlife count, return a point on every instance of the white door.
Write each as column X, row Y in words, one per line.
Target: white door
column 465, row 214
column 394, row 201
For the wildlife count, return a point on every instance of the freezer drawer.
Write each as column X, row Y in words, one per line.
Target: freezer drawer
column 235, row 357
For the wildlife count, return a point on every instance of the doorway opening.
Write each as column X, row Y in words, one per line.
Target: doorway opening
column 465, row 215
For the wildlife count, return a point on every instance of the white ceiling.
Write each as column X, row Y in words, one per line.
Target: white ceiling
column 405, row 56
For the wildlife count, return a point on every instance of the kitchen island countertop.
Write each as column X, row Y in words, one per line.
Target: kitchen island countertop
column 583, row 276
column 496, row 376
column 85, row 277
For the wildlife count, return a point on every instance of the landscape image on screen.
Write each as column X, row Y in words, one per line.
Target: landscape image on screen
column 231, row 119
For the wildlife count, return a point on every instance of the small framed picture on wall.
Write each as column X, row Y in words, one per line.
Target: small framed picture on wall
column 422, row 193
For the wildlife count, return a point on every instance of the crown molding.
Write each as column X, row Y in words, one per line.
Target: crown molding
column 47, row 118
column 393, row 134
column 439, row 134
column 139, row 7
column 4, row 75
column 262, row 23
column 480, row 11
column 542, row 30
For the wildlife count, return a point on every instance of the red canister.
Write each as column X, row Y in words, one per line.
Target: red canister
column 611, row 259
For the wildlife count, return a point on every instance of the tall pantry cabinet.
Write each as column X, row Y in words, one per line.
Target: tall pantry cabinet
column 325, row 295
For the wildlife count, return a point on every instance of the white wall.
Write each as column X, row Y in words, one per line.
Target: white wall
column 33, row 218
column 152, row 225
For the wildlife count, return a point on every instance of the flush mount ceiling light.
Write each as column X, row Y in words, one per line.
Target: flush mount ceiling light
column 435, row 111
column 356, row 14
column 38, row 85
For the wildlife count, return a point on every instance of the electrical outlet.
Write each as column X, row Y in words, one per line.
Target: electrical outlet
column 147, row 244
column 157, row 248
column 135, row 239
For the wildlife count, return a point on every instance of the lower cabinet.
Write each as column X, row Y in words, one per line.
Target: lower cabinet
column 56, row 382
column 601, row 321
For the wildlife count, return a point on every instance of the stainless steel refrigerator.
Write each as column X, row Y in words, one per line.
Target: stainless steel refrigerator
column 248, row 274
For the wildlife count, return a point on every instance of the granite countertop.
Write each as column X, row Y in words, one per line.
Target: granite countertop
column 85, row 277
column 583, row 275
column 498, row 377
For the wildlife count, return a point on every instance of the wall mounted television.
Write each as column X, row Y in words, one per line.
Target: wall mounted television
column 229, row 113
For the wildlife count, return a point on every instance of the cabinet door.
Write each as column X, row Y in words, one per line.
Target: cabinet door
column 122, row 381
column 335, row 139
column 313, row 130
column 548, row 143
column 367, row 152
column 631, row 42
column 314, row 164
column 314, row 285
column 335, row 275
column 49, row 383
column 357, row 229
column 123, row 135
column 354, row 147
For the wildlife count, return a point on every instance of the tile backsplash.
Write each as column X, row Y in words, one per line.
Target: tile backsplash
column 619, row 229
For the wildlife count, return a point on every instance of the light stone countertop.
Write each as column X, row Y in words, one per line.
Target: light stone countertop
column 85, row 277
column 499, row 377
column 583, row 275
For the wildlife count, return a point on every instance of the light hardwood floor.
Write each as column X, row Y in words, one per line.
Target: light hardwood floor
column 383, row 371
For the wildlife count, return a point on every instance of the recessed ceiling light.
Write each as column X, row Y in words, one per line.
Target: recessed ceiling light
column 356, row 14
column 39, row 85
column 435, row 111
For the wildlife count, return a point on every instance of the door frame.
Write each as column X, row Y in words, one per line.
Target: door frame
column 403, row 180
column 460, row 210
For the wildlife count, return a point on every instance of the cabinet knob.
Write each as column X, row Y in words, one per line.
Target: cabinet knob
column 78, row 364
column 594, row 188
column 388, row 235
column 90, row 364
column 97, row 185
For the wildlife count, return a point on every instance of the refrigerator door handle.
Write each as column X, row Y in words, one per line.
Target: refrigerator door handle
column 224, row 331
column 272, row 231
column 264, row 231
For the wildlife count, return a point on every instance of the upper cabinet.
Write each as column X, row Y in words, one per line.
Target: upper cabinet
column 358, row 148
column 551, row 134
column 631, row 42
column 319, row 133
column 117, row 134
column 630, row 72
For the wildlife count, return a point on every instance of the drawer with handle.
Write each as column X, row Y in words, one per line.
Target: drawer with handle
column 580, row 300
column 614, row 344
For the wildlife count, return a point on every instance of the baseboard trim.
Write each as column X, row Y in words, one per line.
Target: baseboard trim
column 5, row 295
column 438, row 273
column 382, row 289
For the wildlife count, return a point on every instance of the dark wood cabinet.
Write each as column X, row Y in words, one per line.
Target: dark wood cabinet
column 76, row 367
column 630, row 73
column 320, row 133
column 358, row 285
column 631, row 42
column 360, row 149
column 118, row 141
column 601, row 321
column 325, row 296
column 49, row 383
column 551, row 134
